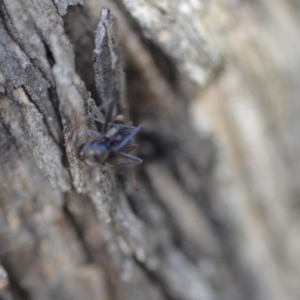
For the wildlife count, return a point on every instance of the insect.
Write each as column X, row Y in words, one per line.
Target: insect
column 113, row 143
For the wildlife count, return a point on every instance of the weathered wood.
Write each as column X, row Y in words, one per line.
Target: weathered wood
column 186, row 33
column 215, row 216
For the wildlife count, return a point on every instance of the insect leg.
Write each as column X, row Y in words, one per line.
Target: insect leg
column 88, row 117
column 128, row 138
column 94, row 135
column 97, row 110
column 108, row 116
column 134, row 160
column 128, row 148
column 98, row 120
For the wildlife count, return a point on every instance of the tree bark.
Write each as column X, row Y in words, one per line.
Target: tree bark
column 216, row 214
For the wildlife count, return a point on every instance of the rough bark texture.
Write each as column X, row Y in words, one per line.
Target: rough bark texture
column 217, row 211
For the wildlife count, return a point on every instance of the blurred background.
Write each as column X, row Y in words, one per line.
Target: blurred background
column 246, row 69
column 236, row 67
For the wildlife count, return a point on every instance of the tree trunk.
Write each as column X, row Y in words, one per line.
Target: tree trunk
column 215, row 84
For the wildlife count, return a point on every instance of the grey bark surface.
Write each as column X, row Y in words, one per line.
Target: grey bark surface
column 216, row 214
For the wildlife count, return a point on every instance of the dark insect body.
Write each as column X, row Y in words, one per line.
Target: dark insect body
column 114, row 142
